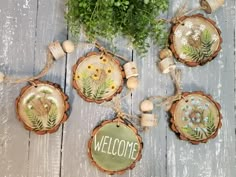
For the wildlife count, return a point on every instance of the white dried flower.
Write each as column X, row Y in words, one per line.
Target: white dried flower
column 202, row 27
column 188, row 24
column 215, row 37
column 184, row 41
column 188, row 33
column 178, row 33
column 197, row 32
column 183, row 56
column 195, row 37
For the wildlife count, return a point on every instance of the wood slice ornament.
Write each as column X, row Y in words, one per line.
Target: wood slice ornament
column 42, row 107
column 97, row 77
column 115, row 146
column 195, row 40
column 196, row 117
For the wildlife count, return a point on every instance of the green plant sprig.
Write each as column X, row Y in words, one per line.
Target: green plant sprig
column 135, row 19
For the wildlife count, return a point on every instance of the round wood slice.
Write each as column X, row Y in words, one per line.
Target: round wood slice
column 196, row 117
column 195, row 40
column 97, row 77
column 42, row 107
column 115, row 146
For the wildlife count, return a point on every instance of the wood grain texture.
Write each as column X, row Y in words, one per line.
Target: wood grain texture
column 28, row 26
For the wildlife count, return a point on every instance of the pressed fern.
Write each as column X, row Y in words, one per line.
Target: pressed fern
column 52, row 117
column 86, row 84
column 210, row 124
column 204, row 51
column 37, row 124
column 101, row 90
column 198, row 135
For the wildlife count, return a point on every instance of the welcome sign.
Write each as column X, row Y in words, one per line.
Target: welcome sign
column 115, row 147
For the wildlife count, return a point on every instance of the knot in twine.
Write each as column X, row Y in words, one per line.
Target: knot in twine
column 167, row 102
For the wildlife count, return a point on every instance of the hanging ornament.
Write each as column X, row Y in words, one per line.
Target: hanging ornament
column 97, row 77
column 196, row 117
column 42, row 106
column 115, row 146
column 195, row 40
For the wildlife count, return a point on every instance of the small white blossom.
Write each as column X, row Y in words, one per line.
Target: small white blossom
column 188, row 24
column 188, row 33
column 215, row 37
column 195, row 37
column 197, row 32
column 183, row 56
column 184, row 41
column 202, row 27
column 178, row 33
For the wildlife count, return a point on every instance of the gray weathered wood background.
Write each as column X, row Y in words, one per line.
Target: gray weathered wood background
column 28, row 26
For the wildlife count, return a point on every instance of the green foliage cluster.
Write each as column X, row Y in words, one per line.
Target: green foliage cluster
column 203, row 52
column 136, row 19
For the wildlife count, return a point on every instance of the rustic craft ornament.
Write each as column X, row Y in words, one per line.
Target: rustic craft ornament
column 42, row 106
column 115, row 146
column 97, row 77
column 211, row 6
column 195, row 40
column 196, row 117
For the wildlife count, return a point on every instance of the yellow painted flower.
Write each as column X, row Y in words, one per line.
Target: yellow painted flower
column 113, row 87
column 104, row 60
column 90, row 67
column 95, row 76
column 77, row 76
column 109, row 70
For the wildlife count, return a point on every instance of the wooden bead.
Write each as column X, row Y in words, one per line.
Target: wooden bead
column 56, row 50
column 210, row 6
column 148, row 120
column 68, row 46
column 164, row 53
column 2, row 76
column 132, row 83
column 146, row 106
column 166, row 65
column 130, row 69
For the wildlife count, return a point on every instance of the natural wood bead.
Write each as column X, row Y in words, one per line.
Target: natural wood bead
column 211, row 5
column 146, row 106
column 132, row 83
column 2, row 76
column 166, row 65
column 148, row 120
column 164, row 53
column 68, row 46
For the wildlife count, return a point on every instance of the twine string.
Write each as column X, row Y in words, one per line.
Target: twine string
column 167, row 101
column 42, row 73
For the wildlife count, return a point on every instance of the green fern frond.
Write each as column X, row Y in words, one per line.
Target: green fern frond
column 101, row 90
column 210, row 124
column 37, row 124
column 52, row 117
column 86, row 85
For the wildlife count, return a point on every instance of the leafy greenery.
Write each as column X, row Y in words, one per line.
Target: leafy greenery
column 86, row 85
column 203, row 52
column 45, row 92
column 52, row 117
column 198, row 135
column 210, row 125
column 37, row 124
column 136, row 19
column 101, row 90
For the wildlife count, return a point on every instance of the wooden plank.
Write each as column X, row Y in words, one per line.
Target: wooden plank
column 45, row 151
column 216, row 157
column 16, row 59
